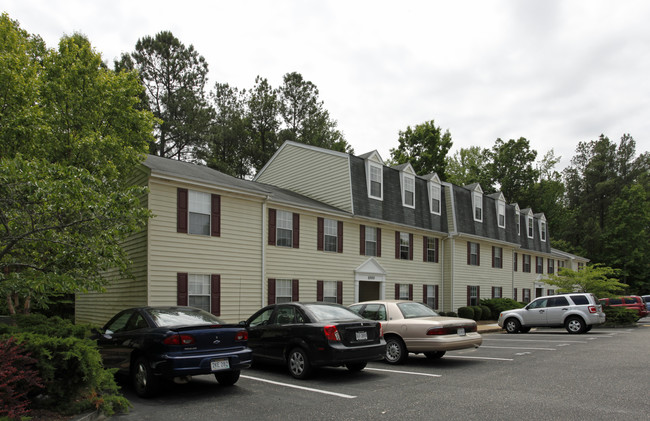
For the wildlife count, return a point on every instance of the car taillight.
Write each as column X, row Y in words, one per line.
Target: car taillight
column 381, row 331
column 179, row 339
column 453, row 330
column 592, row 309
column 332, row 333
column 438, row 331
column 241, row 336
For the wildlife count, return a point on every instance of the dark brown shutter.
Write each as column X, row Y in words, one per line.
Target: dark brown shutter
column 362, row 240
column 515, row 294
column 295, row 290
column 271, row 291
column 296, row 230
column 339, row 292
column 181, row 210
column 339, row 233
column 492, row 256
column 468, row 295
column 319, row 290
column 478, row 295
column 215, row 294
column 320, row 234
column 397, row 291
column 411, row 246
column 411, row 292
column 215, row 226
column 478, row 254
column 437, row 243
column 378, row 242
column 435, row 304
column 515, row 262
column 424, row 294
column 493, row 289
column 397, row 246
column 181, row 289
column 272, row 225
column 469, row 253
column 424, row 249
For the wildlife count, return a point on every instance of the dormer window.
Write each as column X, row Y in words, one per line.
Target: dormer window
column 435, row 192
column 529, row 225
column 518, row 219
column 542, row 230
column 500, row 204
column 478, row 206
column 408, row 190
column 375, row 180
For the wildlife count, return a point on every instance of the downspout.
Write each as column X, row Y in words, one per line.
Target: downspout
column 263, row 238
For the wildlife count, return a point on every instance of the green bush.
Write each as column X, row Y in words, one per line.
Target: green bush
column 620, row 316
column 497, row 305
column 466, row 312
column 478, row 312
column 441, row 313
column 451, row 314
column 487, row 313
column 42, row 325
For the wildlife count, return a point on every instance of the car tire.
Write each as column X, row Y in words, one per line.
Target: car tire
column 435, row 355
column 354, row 367
column 575, row 325
column 144, row 382
column 396, row 352
column 228, row 378
column 298, row 363
column 588, row 328
column 512, row 325
column 524, row 329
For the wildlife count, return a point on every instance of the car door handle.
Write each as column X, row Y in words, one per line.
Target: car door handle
column 541, row 311
column 565, row 309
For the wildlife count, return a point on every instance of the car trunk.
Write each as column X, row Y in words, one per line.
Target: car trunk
column 358, row 333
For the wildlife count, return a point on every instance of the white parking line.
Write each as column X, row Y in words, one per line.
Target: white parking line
column 476, row 358
column 533, row 340
column 518, row 347
column 404, row 372
column 309, row 389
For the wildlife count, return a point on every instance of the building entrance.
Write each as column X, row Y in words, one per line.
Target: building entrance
column 369, row 290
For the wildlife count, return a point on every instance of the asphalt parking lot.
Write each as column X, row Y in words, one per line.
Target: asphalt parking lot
column 545, row 374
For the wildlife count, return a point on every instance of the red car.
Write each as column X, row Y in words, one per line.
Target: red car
column 633, row 302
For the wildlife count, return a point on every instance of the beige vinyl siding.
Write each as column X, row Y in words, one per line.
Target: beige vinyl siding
column 236, row 255
column 308, row 265
column 448, row 248
column 528, row 279
column 317, row 174
column 99, row 307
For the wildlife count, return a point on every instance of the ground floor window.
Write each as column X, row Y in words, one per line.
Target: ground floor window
column 330, row 292
column 525, row 295
column 403, row 291
column 497, row 292
column 198, row 291
column 430, row 297
column 473, row 295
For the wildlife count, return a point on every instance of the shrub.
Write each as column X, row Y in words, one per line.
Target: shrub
column 466, row 312
column 18, row 379
column 620, row 315
column 497, row 305
column 486, row 312
column 451, row 314
column 441, row 313
column 49, row 326
column 478, row 312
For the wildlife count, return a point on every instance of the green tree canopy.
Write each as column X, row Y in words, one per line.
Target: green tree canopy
column 425, row 146
column 510, row 168
column 467, row 166
column 596, row 279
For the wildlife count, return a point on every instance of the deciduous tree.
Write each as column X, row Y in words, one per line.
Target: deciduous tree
column 425, row 146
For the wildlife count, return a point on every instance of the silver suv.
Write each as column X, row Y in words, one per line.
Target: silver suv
column 577, row 313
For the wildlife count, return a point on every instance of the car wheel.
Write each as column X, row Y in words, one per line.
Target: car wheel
column 396, row 352
column 512, row 325
column 588, row 328
column 228, row 378
column 143, row 379
column 575, row 325
column 356, row 366
column 524, row 329
column 435, row 355
column 298, row 363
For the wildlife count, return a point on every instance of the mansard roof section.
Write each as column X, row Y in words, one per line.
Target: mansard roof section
column 488, row 228
column 390, row 208
column 536, row 243
column 406, row 167
column 373, row 156
column 497, row 196
column 433, row 177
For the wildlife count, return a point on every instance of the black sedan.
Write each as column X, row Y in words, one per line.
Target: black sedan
column 151, row 344
column 307, row 335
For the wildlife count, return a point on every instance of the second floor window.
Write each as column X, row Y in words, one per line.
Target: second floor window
column 404, row 245
column 430, row 244
column 199, row 212
column 473, row 254
column 497, row 257
column 526, row 263
column 551, row 265
column 539, row 265
column 370, row 241
column 284, row 234
column 331, row 235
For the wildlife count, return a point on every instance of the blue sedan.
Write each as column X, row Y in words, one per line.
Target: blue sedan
column 152, row 344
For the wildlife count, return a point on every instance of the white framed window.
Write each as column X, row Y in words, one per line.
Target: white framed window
column 200, row 209
column 529, row 226
column 518, row 220
column 404, row 245
column 473, row 254
column 198, row 291
column 283, row 291
column 498, row 257
column 501, row 213
column 284, row 229
column 472, row 295
column 526, row 295
column 408, row 190
column 431, row 249
column 435, row 192
column 329, row 292
column 371, row 241
column 497, row 292
column 331, row 235
column 477, row 199
column 375, row 180
column 542, row 230
column 404, row 292
column 430, row 296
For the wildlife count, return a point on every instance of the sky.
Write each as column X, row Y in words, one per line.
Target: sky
column 557, row 72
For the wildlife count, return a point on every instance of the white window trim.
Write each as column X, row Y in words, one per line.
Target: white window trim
column 328, row 288
column 278, row 218
column 501, row 204
column 542, row 230
column 404, row 291
column 435, row 192
column 529, row 227
column 369, row 166
column 203, row 281
column 518, row 216
column 330, row 225
column 372, row 230
column 280, row 284
column 199, row 203
column 412, row 179
column 477, row 202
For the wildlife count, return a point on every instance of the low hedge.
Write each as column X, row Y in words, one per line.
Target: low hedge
column 616, row 316
column 466, row 312
column 497, row 305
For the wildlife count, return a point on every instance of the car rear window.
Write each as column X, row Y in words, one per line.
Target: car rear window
column 412, row 310
column 324, row 312
column 630, row 300
column 615, row 301
column 580, row 299
column 183, row 317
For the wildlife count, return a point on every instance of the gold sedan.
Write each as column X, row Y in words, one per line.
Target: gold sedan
column 413, row 327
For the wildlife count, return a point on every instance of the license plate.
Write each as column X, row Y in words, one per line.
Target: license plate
column 461, row 331
column 362, row 335
column 216, row 365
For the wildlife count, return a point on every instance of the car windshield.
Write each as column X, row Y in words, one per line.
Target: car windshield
column 413, row 310
column 324, row 312
column 182, row 316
